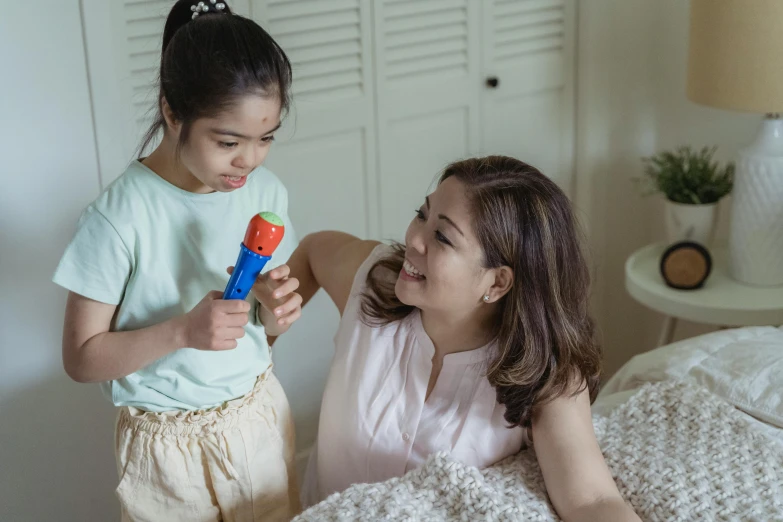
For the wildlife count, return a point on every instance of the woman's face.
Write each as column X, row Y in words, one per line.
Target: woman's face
column 443, row 267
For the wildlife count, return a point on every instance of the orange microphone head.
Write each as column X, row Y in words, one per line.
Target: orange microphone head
column 264, row 232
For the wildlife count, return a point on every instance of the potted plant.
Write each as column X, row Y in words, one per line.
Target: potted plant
column 692, row 183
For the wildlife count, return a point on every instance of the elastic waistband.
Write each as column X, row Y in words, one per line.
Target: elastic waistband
column 197, row 422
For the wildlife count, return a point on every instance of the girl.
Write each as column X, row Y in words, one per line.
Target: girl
column 204, row 431
column 471, row 338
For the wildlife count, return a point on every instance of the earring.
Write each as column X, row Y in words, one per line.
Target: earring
column 486, row 298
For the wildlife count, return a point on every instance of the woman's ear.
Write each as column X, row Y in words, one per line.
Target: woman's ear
column 172, row 124
column 503, row 281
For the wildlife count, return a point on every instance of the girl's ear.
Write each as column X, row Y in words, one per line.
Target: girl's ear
column 171, row 121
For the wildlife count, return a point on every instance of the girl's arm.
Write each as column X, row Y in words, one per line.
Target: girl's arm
column 575, row 473
column 329, row 260
column 91, row 353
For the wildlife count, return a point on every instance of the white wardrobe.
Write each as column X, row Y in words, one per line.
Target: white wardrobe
column 386, row 93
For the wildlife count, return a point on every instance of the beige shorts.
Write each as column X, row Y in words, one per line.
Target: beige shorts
column 234, row 463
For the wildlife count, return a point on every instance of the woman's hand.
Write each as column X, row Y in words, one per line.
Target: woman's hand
column 280, row 306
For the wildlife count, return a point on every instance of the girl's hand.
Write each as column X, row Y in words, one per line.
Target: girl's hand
column 215, row 324
column 280, row 304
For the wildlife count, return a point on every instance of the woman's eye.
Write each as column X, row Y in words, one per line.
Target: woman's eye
column 440, row 237
column 268, row 139
column 419, row 215
column 228, row 144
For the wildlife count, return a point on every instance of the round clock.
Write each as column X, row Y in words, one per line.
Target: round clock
column 685, row 265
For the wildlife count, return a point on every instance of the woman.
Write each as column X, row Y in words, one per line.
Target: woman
column 473, row 338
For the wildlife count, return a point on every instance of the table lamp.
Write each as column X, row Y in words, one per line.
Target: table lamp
column 735, row 62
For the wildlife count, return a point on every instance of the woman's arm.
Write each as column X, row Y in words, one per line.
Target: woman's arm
column 329, row 260
column 575, row 473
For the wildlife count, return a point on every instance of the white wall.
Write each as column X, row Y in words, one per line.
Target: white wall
column 55, row 436
column 631, row 102
column 616, row 124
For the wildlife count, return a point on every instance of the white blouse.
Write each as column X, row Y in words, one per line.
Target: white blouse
column 375, row 423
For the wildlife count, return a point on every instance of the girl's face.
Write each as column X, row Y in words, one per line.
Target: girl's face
column 443, row 267
column 222, row 151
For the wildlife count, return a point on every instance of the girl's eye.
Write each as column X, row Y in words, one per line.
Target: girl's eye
column 440, row 237
column 268, row 139
column 228, row 145
column 419, row 215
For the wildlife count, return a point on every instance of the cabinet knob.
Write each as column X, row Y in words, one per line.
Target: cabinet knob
column 493, row 82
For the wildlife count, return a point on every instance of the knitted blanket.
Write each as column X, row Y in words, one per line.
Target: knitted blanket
column 676, row 451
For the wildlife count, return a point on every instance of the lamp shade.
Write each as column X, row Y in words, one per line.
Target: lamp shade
column 735, row 58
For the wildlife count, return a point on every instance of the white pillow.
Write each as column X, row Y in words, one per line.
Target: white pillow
column 744, row 366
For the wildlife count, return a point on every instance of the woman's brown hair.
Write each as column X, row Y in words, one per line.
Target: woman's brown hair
column 545, row 336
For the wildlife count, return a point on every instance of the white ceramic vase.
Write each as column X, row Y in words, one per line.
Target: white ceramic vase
column 756, row 231
column 691, row 222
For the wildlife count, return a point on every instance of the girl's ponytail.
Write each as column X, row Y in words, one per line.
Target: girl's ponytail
column 183, row 12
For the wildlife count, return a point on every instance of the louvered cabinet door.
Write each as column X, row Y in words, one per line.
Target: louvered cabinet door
column 528, row 85
column 427, row 59
column 123, row 40
column 325, row 151
column 325, row 154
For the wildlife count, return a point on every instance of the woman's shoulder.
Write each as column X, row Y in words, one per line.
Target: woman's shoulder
column 376, row 258
column 375, row 253
column 374, row 276
column 378, row 250
column 356, row 258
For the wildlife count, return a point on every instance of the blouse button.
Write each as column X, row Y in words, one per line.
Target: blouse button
column 406, row 437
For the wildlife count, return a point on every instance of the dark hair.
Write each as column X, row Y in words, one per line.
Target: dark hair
column 207, row 62
column 545, row 336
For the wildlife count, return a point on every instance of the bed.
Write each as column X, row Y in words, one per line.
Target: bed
column 691, row 431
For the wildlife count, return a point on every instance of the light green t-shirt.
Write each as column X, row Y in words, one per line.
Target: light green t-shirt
column 155, row 251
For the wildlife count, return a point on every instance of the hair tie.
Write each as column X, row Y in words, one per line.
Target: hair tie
column 202, row 7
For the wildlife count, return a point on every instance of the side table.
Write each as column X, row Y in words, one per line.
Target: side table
column 722, row 301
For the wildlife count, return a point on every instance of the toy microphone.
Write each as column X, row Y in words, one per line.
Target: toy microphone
column 264, row 233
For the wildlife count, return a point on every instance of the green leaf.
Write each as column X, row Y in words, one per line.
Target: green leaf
column 688, row 176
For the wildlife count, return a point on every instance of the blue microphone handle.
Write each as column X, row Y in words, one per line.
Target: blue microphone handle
column 248, row 266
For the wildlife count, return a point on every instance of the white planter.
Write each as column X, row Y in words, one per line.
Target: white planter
column 690, row 222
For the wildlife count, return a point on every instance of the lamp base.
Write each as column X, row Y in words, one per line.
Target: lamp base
column 756, row 233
